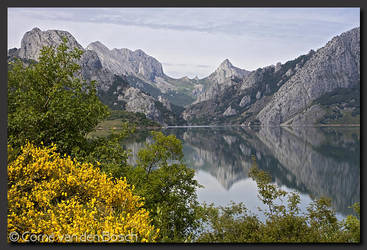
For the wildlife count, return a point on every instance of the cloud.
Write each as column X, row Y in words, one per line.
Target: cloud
column 235, row 21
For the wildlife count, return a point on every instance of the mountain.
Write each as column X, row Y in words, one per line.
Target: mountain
column 322, row 86
column 145, row 72
column 34, row 40
column 127, row 62
column 335, row 66
column 224, row 76
column 91, row 67
column 243, row 98
column 113, row 88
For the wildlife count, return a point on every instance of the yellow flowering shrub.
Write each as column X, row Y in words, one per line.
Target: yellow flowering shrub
column 53, row 198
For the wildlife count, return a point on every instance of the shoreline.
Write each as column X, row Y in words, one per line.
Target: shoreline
column 259, row 126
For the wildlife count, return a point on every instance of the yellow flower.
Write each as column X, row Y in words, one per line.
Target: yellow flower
column 56, row 196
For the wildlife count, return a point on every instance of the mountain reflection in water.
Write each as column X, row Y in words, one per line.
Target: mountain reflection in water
column 315, row 161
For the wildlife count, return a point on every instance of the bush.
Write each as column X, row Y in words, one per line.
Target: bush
column 50, row 194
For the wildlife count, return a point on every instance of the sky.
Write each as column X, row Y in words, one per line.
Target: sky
column 194, row 41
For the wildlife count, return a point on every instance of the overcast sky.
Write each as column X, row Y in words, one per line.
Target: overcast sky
column 194, row 41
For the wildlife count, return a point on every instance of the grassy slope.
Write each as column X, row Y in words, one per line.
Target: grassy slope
column 114, row 123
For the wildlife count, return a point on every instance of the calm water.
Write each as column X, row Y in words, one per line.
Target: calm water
column 312, row 161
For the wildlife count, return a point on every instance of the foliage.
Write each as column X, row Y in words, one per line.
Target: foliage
column 138, row 119
column 342, row 105
column 168, row 186
column 48, row 101
column 56, row 195
column 180, row 98
column 171, row 117
column 106, row 151
column 284, row 222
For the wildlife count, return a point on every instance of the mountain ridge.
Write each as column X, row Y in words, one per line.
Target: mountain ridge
column 297, row 92
column 113, row 90
column 288, row 94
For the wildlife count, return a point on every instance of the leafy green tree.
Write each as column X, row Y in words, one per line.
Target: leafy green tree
column 352, row 225
column 49, row 102
column 168, row 186
column 230, row 224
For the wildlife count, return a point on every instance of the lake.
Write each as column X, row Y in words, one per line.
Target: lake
column 313, row 161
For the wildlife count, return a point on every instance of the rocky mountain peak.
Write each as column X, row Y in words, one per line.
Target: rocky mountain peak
column 97, row 45
column 227, row 71
column 125, row 61
column 34, row 40
column 225, row 64
column 36, row 29
column 140, row 52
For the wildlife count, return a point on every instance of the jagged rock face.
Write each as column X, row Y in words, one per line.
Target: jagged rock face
column 245, row 101
column 125, row 61
column 146, row 70
column 33, row 41
column 137, row 101
column 227, row 70
column 12, row 53
column 337, row 65
column 229, row 111
column 249, row 94
column 224, row 76
column 165, row 102
column 91, row 67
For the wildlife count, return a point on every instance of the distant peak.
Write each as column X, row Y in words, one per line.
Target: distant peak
column 226, row 62
column 97, row 44
column 139, row 52
column 36, row 29
column 225, row 65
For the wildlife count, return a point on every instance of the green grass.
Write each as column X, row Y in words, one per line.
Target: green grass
column 113, row 124
column 106, row 128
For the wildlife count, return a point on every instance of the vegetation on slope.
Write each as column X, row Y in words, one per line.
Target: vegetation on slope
column 342, row 106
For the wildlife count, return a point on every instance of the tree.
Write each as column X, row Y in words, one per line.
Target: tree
column 168, row 186
column 49, row 102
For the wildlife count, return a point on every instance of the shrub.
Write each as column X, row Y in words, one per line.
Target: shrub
column 50, row 194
